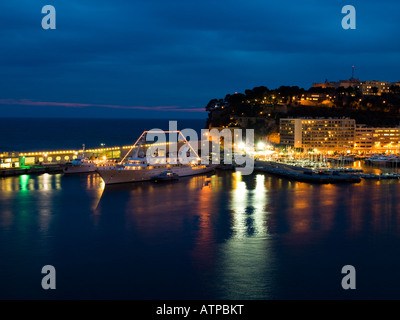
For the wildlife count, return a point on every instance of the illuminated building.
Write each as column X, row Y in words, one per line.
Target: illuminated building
column 363, row 138
column 377, row 139
column 63, row 156
column 374, row 87
column 334, row 134
column 9, row 160
column 316, row 97
column 323, row 134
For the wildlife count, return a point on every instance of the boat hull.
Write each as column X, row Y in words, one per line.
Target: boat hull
column 79, row 168
column 115, row 175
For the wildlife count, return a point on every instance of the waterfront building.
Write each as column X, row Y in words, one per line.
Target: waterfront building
column 338, row 135
column 377, row 140
column 9, row 160
column 321, row 134
column 63, row 156
column 363, row 138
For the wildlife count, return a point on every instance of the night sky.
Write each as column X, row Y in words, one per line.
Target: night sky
column 164, row 59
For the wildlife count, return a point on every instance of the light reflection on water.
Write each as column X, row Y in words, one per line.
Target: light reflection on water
column 221, row 236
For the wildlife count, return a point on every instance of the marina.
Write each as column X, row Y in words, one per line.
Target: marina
column 213, row 232
column 304, row 170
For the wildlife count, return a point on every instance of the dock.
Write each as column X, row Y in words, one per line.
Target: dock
column 303, row 174
column 48, row 168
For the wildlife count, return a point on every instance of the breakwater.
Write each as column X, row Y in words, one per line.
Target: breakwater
column 306, row 174
column 48, row 168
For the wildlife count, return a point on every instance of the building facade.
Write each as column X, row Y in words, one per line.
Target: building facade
column 336, row 84
column 374, row 87
column 366, row 87
column 322, row 134
column 377, row 140
column 338, row 135
column 363, row 138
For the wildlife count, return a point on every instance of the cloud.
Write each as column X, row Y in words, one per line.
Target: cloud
column 27, row 102
column 186, row 52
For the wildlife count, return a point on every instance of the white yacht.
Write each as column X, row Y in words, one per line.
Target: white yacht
column 80, row 165
column 377, row 159
column 138, row 168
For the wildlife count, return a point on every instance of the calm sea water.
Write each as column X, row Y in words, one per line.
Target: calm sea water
column 26, row 134
column 217, row 236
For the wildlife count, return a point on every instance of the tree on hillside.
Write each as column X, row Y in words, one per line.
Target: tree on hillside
column 394, row 89
column 287, row 93
column 214, row 104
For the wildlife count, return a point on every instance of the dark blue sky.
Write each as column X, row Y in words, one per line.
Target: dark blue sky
column 159, row 58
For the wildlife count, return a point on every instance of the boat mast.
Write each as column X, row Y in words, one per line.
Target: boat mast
column 144, row 133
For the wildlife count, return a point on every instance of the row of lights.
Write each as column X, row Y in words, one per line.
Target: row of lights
column 152, row 144
column 45, row 153
column 104, row 149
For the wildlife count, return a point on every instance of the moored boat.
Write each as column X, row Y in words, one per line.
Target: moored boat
column 377, row 160
column 80, row 165
column 143, row 168
column 165, row 176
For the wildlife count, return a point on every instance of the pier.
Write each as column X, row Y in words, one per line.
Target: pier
column 38, row 162
column 318, row 173
column 48, row 168
column 304, row 174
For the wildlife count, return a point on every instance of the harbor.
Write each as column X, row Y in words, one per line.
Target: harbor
column 303, row 169
column 240, row 229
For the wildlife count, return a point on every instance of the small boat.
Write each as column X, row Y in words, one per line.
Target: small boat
column 342, row 159
column 165, row 176
column 377, row 160
column 389, row 175
column 370, row 176
column 80, row 165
